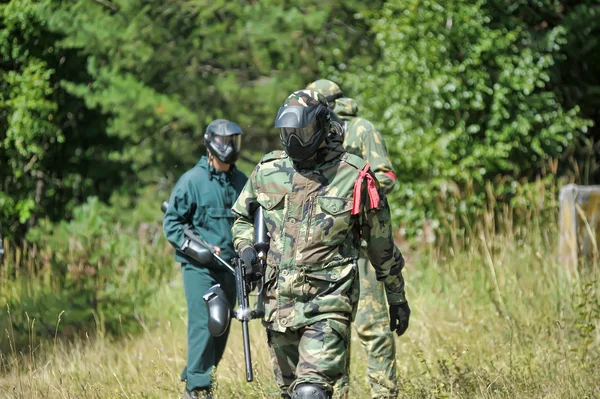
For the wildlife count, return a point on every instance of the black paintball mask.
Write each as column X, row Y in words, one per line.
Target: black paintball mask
column 303, row 129
column 223, row 139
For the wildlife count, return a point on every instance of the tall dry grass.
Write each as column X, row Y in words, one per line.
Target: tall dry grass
column 494, row 316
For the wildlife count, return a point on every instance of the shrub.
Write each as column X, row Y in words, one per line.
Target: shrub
column 462, row 97
column 92, row 273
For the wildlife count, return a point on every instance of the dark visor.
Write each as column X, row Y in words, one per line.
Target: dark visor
column 224, row 141
column 305, row 135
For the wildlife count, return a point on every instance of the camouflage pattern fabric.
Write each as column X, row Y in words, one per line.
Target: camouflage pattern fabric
column 372, row 326
column 305, row 98
column 315, row 241
column 372, row 320
column 312, row 354
column 363, row 139
column 329, row 89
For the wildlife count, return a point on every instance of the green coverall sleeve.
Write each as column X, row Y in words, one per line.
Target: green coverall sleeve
column 179, row 213
column 243, row 227
column 382, row 251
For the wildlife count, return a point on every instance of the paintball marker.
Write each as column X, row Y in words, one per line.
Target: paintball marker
column 219, row 309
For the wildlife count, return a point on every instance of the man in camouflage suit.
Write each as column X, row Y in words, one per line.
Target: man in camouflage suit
column 319, row 201
column 363, row 139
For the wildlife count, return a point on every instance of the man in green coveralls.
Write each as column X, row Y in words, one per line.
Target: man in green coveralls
column 202, row 198
column 319, row 201
column 362, row 138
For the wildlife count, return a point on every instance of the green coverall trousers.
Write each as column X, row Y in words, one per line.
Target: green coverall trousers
column 204, row 351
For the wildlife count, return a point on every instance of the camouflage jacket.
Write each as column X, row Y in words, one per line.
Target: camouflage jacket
column 363, row 139
column 315, row 241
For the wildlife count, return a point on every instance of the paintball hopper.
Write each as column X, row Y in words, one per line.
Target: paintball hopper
column 219, row 310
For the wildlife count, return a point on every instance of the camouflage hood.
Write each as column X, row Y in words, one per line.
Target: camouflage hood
column 346, row 107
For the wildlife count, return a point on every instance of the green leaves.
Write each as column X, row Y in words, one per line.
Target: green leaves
column 29, row 110
column 105, row 97
column 98, row 271
column 463, row 94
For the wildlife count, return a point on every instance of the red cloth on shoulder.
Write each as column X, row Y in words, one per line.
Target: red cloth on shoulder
column 371, row 190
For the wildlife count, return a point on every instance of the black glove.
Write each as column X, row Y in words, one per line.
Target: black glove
column 249, row 258
column 399, row 315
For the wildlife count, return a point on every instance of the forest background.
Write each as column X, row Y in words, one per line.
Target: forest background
column 488, row 107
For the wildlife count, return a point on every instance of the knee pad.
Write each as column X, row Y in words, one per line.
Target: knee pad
column 310, row 391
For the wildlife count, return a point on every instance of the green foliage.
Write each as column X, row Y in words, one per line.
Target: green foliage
column 478, row 102
column 577, row 79
column 462, row 96
column 25, row 110
column 93, row 273
column 587, row 308
column 54, row 152
column 103, row 97
column 163, row 70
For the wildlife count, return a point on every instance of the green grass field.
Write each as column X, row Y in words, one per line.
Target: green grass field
column 501, row 319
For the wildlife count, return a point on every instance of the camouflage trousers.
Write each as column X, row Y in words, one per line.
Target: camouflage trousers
column 313, row 354
column 372, row 325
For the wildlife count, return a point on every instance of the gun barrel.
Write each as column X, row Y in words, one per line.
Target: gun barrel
column 244, row 314
column 223, row 262
column 247, row 354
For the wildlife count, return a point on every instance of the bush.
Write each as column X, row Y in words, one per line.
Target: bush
column 462, row 97
column 91, row 273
